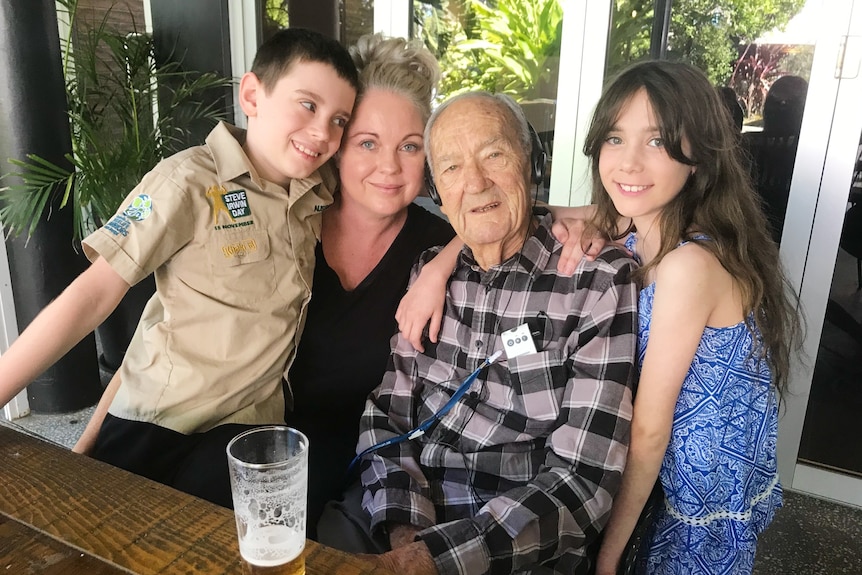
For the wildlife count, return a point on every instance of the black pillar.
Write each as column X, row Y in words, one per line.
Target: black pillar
column 660, row 29
column 321, row 16
column 33, row 120
column 195, row 33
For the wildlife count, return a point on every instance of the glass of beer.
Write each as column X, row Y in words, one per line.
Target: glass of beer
column 269, row 483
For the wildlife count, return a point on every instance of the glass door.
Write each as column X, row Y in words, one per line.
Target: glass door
column 759, row 59
column 792, row 78
column 516, row 47
column 818, row 445
column 835, row 398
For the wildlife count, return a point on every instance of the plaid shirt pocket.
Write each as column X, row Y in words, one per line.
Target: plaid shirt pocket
column 538, row 381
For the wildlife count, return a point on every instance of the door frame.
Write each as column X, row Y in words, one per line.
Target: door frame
column 582, row 56
column 825, row 159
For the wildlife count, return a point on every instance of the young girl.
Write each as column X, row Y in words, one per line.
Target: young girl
column 716, row 324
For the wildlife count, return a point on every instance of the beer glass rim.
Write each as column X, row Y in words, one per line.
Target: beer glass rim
column 302, row 437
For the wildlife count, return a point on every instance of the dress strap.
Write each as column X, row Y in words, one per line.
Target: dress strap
column 694, row 237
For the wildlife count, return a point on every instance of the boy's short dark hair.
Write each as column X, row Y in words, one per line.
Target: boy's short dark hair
column 275, row 57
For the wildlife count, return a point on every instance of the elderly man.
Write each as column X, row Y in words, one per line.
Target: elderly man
column 518, row 474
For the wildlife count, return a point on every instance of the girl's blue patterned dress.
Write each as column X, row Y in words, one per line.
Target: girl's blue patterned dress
column 719, row 473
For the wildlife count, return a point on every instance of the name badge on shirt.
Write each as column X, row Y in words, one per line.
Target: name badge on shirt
column 518, row 341
column 228, row 207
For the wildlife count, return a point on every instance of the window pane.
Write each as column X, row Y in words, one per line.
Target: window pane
column 274, row 17
column 508, row 46
column 631, row 23
column 759, row 53
column 836, row 395
column 357, row 18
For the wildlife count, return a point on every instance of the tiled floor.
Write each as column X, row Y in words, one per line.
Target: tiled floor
column 809, row 535
column 64, row 429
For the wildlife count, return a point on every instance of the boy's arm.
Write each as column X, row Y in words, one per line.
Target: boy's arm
column 424, row 301
column 60, row 326
column 85, row 443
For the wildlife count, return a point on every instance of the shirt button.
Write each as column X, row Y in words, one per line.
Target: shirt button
column 479, row 344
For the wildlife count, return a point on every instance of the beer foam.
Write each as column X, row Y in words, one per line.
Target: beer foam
column 271, row 545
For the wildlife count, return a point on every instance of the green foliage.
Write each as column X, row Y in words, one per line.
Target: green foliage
column 705, row 33
column 436, row 25
column 630, row 35
column 274, row 17
column 509, row 46
column 275, row 11
column 112, row 85
column 797, row 60
column 513, row 46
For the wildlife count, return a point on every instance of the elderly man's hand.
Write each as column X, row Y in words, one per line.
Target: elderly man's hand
column 411, row 559
column 401, row 535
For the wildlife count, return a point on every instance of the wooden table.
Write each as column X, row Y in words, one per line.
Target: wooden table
column 66, row 514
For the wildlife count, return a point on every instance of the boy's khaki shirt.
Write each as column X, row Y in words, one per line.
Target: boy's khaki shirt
column 233, row 259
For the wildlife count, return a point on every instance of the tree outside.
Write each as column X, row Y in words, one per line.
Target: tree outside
column 705, row 33
column 274, row 17
column 759, row 66
column 716, row 36
column 508, row 46
column 513, row 46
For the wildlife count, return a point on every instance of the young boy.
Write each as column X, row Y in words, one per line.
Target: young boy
column 229, row 229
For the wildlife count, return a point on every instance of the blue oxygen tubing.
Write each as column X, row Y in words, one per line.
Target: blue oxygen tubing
column 420, row 430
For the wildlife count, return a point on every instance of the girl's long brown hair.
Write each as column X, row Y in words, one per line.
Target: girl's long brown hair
column 718, row 200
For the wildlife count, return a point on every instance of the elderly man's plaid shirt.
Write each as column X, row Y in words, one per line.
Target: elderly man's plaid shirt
column 521, row 473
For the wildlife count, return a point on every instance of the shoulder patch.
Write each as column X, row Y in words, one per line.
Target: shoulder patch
column 140, row 208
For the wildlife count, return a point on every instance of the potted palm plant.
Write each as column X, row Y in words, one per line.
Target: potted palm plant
column 127, row 111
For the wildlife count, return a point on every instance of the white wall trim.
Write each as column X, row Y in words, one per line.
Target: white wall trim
column 582, row 69
column 392, row 17
column 148, row 17
column 826, row 155
column 242, row 18
column 19, row 406
column 837, row 487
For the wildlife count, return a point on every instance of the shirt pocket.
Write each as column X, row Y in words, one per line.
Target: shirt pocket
column 242, row 267
column 538, row 382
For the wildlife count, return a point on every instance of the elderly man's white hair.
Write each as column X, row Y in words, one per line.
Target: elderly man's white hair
column 500, row 100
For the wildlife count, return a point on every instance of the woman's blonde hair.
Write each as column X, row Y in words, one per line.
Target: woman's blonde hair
column 718, row 200
column 405, row 67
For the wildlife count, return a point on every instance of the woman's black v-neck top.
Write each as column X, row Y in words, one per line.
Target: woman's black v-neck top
column 343, row 352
